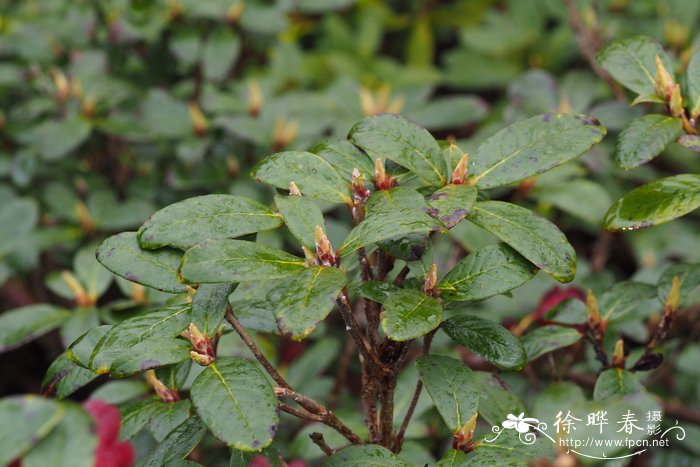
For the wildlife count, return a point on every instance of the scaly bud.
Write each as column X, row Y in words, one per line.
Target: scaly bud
column 62, row 85
column 462, row 438
column 564, row 105
column 84, row 217
column 82, row 298
column 202, row 344
column 663, row 83
column 284, row 133
column 235, row 11
column 294, row 189
column 199, row 121
column 138, row 293
column 309, row 256
column 366, row 102
column 675, row 102
column 673, row 298
column 324, row 250
column 461, row 171
column 255, row 98
column 162, row 391
column 618, row 360
column 201, row 359
column 382, row 181
column 593, row 312
column 430, row 281
column 360, row 193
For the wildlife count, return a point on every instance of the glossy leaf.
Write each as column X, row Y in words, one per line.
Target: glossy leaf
column 487, row 339
column 655, row 203
column 568, row 194
column 452, row 203
column 375, row 290
column 32, row 419
column 64, row 377
column 690, row 141
column 693, row 83
column 178, row 444
column 301, row 301
column 164, row 417
column 645, row 138
column 492, row 270
column 235, row 400
column 623, row 299
column 409, row 313
column 392, row 213
column 81, row 350
column 215, row 261
column 531, row 235
column 153, row 327
column 632, row 62
column 615, row 383
column 24, row 324
column 449, row 383
column 252, row 308
column 122, row 255
column 186, row 223
column 301, row 216
column 402, row 141
column 344, row 157
column 209, row 306
column 531, row 147
column 363, row 456
column 311, row 173
column 547, row 339
column 152, row 353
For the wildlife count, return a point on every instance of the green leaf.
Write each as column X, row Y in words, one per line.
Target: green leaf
column 64, row 377
column 22, row 325
column 392, row 213
column 178, row 444
column 209, row 306
column 56, row 139
column 531, row 235
column 645, row 138
column 449, row 383
column 32, row 419
column 186, row 223
column 301, row 216
column 252, row 307
column 220, row 53
column 624, row 298
column 395, row 138
column 614, row 383
column 452, row 203
column 71, row 444
column 655, row 203
column 237, row 261
column 95, row 278
column 375, row 290
column 152, row 353
column 688, row 276
column 567, row 196
column 236, row 402
column 164, row 116
column 532, row 146
column 164, row 417
column 453, row 111
column 122, row 255
column 492, row 270
column 364, row 456
column 301, row 301
column 496, row 400
column 690, row 141
column 632, row 62
column 117, row 345
column 487, row 339
column 80, row 351
column 693, row 83
column 547, row 339
column 344, row 157
column 312, row 174
column 409, row 313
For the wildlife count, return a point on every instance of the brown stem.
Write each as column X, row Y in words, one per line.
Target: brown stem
column 398, row 441
column 589, row 41
column 402, row 275
column 320, row 441
column 342, row 375
column 300, row 414
column 365, row 267
column 353, row 327
column 327, row 417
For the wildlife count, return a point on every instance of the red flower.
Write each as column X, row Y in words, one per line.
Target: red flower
column 110, row 451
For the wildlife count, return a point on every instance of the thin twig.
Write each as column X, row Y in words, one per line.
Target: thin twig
column 398, row 441
column 327, row 416
column 401, row 275
column 342, row 375
column 353, row 327
column 365, row 267
column 300, row 414
column 320, row 441
column 589, row 42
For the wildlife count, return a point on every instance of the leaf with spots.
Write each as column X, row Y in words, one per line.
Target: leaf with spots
column 409, row 313
column 235, row 400
column 531, row 147
column 632, row 62
column 452, row 203
column 122, row 255
column 178, row 444
column 645, row 138
column 209, row 306
column 191, row 221
column 531, row 235
column 363, row 456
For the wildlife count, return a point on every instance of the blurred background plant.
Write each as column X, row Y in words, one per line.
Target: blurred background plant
column 111, row 110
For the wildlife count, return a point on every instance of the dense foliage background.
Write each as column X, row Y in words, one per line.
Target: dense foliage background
column 111, row 110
